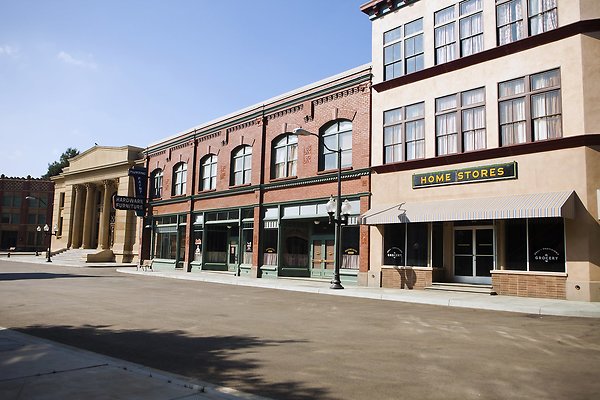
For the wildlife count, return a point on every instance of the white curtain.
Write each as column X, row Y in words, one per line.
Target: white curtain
column 445, row 43
column 446, row 133
column 513, row 121
column 543, row 16
column 509, row 17
column 415, row 139
column 473, row 125
column 545, row 111
column 471, row 34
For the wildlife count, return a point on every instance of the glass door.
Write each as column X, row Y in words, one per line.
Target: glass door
column 322, row 262
column 473, row 254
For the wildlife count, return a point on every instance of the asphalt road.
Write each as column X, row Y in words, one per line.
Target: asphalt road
column 289, row 345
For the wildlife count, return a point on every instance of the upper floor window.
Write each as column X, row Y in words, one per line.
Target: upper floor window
column 208, row 172
column 471, row 27
column 404, row 133
column 510, row 14
column 242, row 166
column 407, row 40
column 530, row 108
column 336, row 136
column 156, row 183
column 179, row 179
column 460, row 122
column 285, row 156
column 470, row 31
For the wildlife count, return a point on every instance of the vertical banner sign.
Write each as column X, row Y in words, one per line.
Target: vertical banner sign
column 140, row 177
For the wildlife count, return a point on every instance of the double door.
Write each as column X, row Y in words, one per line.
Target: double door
column 474, row 254
column 322, row 257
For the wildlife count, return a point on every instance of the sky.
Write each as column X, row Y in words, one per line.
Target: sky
column 74, row 73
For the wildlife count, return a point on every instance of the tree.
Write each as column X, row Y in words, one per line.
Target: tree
column 57, row 166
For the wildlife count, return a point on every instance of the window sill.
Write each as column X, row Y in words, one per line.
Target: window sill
column 240, row 186
column 207, row 191
column 331, row 171
column 407, row 267
column 179, row 196
column 518, row 272
column 286, row 178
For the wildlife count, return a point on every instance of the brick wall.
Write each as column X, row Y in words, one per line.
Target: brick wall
column 530, row 285
column 406, row 278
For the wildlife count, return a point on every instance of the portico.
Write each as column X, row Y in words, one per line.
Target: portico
column 83, row 204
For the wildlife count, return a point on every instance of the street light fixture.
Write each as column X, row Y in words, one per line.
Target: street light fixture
column 47, row 232
column 338, row 212
column 46, row 228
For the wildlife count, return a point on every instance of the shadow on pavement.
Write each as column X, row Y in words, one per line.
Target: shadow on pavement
column 219, row 360
column 16, row 276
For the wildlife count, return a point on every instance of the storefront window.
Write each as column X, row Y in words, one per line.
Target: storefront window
column 393, row 244
column 515, row 243
column 296, row 251
column 537, row 242
column 197, row 245
column 165, row 245
column 247, row 243
column 216, row 245
column 546, row 245
column 270, row 247
column 437, row 245
column 405, row 245
column 350, row 247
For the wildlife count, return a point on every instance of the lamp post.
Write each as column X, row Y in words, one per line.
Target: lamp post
column 338, row 213
column 47, row 232
column 46, row 228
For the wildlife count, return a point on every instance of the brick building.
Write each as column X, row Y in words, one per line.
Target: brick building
column 486, row 146
column 244, row 194
column 20, row 216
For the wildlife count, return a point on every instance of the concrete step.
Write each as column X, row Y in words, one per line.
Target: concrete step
column 461, row 287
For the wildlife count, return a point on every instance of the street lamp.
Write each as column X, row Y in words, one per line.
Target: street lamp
column 46, row 228
column 47, row 232
column 338, row 212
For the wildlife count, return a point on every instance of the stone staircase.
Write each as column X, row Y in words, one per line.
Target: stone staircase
column 73, row 256
column 462, row 287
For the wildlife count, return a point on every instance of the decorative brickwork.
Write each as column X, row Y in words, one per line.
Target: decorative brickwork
column 530, row 285
column 406, row 278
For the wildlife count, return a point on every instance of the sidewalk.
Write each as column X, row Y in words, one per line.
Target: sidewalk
column 441, row 298
column 34, row 368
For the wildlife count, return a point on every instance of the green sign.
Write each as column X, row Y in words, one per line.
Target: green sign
column 466, row 175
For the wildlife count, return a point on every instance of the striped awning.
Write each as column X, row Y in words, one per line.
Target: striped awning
column 537, row 205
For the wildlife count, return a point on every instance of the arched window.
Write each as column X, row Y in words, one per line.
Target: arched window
column 208, row 172
column 337, row 135
column 285, row 156
column 156, row 183
column 179, row 179
column 242, row 165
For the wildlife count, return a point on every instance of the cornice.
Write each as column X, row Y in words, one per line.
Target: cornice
column 259, row 112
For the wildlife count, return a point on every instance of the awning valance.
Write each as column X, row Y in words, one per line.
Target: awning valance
column 537, row 205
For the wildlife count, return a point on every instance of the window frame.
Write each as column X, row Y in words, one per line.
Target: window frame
column 179, row 187
column 324, row 136
column 452, row 43
column 401, row 42
column 209, row 160
column 470, row 16
column 241, row 153
column 527, row 95
column 290, row 166
column 524, row 23
column 402, row 123
column 458, row 111
column 156, row 189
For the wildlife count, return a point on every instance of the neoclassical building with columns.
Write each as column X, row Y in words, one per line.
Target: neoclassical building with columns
column 84, row 215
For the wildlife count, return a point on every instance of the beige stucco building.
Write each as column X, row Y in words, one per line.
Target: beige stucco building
column 83, row 208
column 486, row 145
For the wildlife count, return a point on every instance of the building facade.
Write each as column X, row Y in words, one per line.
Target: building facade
column 83, row 206
column 244, row 194
column 26, row 205
column 485, row 145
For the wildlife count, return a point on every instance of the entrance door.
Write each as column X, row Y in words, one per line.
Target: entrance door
column 232, row 257
column 473, row 254
column 322, row 263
